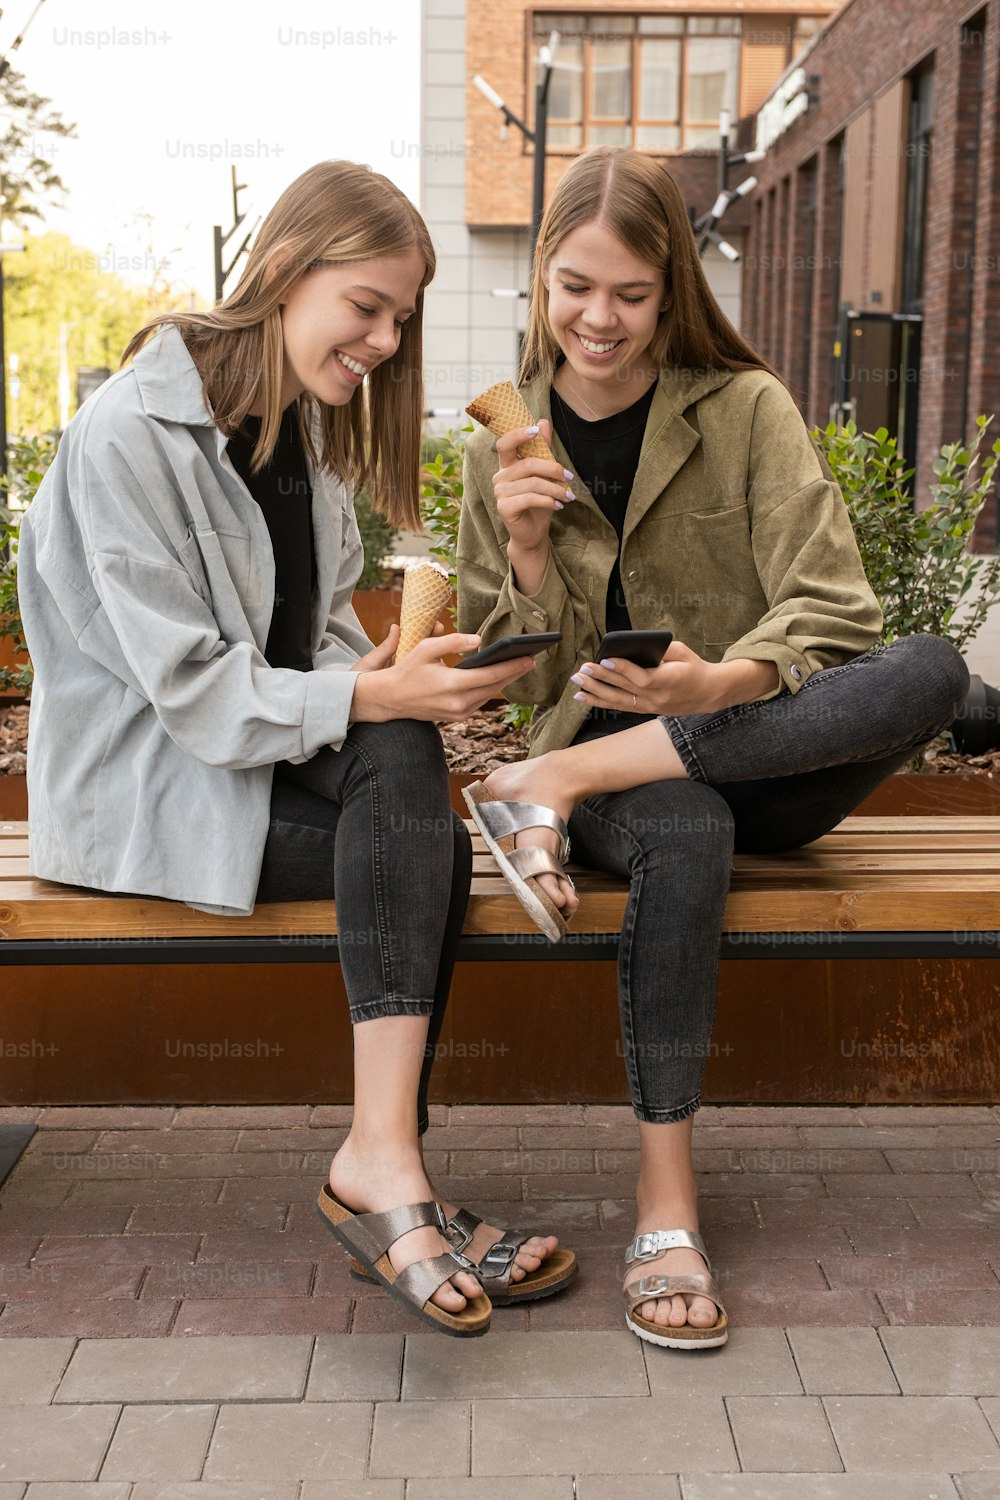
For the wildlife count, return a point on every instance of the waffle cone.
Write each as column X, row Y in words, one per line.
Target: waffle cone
column 501, row 410
column 426, row 590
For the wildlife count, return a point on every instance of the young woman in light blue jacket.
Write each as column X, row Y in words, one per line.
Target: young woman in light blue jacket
column 210, row 723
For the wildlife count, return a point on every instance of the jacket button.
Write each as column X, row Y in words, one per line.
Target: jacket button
column 632, row 574
column 796, row 672
column 538, row 614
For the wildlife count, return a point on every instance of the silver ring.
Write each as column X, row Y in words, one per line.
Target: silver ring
column 634, row 700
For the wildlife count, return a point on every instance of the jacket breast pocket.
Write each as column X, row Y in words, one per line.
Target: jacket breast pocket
column 722, row 574
column 217, row 562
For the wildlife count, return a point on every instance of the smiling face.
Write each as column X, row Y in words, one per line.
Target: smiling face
column 339, row 321
column 604, row 305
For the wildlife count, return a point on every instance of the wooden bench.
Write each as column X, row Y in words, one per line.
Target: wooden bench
column 896, row 887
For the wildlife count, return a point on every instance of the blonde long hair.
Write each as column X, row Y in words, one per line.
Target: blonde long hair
column 635, row 197
column 336, row 211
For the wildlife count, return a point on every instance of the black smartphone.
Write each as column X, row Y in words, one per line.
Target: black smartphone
column 510, row 647
column 644, row 648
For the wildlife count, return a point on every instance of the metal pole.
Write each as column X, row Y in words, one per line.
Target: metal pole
column 538, row 182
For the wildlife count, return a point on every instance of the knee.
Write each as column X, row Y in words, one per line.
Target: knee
column 941, row 675
column 693, row 819
column 403, row 753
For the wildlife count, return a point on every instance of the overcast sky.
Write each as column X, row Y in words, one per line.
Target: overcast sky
column 166, row 97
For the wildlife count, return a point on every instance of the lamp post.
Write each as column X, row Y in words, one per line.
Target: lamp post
column 537, row 136
column 704, row 227
column 222, row 272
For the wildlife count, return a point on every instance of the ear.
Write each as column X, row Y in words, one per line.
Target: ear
column 276, row 263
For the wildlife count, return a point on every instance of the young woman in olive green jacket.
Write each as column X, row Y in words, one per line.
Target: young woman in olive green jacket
column 687, row 495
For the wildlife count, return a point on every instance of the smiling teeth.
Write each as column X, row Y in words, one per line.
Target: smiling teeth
column 353, row 365
column 593, row 348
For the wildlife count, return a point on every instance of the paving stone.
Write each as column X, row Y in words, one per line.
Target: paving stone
column 841, row 1361
column 58, row 1443
column 167, row 1142
column 226, row 1369
column 265, row 1165
column 83, row 1491
column 102, row 1249
column 777, row 1213
column 363, row 1489
column 911, row 1137
column 110, row 1117
column 927, row 1114
column 753, row 1361
column 660, row 1434
column 910, row 1272
column 18, row 1249
column 627, row 1487
column 156, row 1218
column 737, row 1137
column 900, row 1185
column 615, row 1114
column 959, row 1158
column 161, row 1192
column 30, row 1369
column 420, row 1438
column 780, row 1185
column 786, row 1114
column 956, row 1213
column 159, row 1442
column 303, row 1140
column 570, row 1185
column 284, row 1188
column 991, row 1410
column 516, row 1364
column 335, row 1114
column 588, row 1137
column 27, row 1191
column 26, row 1283
column 782, row 1273
column 72, row 1219
column 972, row 1308
column 944, row 1361
column 789, row 1433
column 751, row 1243
column 983, row 1486
column 19, row 1114
column 921, row 1241
column 45, row 1144
column 211, row 1317
column 543, row 1160
column 899, row 1434
column 583, row 1306
column 851, row 1486
column 301, row 1241
column 561, row 1217
column 235, row 1278
column 271, row 1490
column 517, row 1114
column 241, row 1116
column 820, row 1159
column 469, row 1190
column 333, row 1277
column 107, row 1318
column 305, row 1441
column 774, row 1307
column 348, row 1369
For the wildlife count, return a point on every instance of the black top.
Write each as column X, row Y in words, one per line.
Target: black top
column 284, row 494
column 605, row 455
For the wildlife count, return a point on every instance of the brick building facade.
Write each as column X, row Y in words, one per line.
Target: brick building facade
column 871, row 276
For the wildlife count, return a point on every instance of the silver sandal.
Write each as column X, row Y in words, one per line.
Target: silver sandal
column 500, row 823
column 699, row 1283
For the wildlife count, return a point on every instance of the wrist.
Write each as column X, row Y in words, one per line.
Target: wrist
column 368, row 703
column 742, row 681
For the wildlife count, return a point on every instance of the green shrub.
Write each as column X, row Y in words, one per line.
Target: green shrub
column 377, row 538
column 916, row 560
column 27, row 461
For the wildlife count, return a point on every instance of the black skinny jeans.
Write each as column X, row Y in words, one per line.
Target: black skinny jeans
column 763, row 777
column 372, row 824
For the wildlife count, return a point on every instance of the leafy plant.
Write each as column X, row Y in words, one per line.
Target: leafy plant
column 27, row 461
column 916, row 560
column 377, row 538
column 441, row 498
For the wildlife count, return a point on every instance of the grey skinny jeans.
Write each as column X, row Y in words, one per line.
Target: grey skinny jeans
column 763, row 777
column 371, row 824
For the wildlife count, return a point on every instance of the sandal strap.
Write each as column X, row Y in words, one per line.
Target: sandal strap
column 694, row 1283
column 505, row 818
column 533, row 860
column 421, row 1280
column 372, row 1234
column 460, row 1228
column 651, row 1245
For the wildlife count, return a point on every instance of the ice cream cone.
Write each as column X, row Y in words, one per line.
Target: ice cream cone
column 501, row 410
column 426, row 590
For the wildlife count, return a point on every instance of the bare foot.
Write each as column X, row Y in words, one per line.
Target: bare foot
column 373, row 1182
column 538, row 780
column 686, row 1307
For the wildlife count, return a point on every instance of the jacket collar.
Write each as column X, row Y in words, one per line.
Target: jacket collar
column 667, row 442
column 170, row 385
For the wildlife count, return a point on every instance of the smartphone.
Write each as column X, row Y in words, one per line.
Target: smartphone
column 510, row 647
column 644, row 648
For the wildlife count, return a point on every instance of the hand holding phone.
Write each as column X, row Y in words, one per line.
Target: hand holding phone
column 510, row 647
column 644, row 648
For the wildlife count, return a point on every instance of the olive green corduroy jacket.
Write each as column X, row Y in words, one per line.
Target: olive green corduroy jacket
column 736, row 538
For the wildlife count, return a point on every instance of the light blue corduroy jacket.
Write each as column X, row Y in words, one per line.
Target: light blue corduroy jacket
column 146, row 583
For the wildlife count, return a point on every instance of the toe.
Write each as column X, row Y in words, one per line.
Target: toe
column 448, row 1298
column 467, row 1284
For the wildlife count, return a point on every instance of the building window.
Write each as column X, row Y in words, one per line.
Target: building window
column 654, row 81
column 645, row 80
column 918, row 150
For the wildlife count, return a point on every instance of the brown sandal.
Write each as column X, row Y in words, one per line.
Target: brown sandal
column 368, row 1237
column 557, row 1270
column 651, row 1288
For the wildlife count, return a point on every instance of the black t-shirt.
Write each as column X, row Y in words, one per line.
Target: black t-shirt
column 605, row 455
column 284, row 494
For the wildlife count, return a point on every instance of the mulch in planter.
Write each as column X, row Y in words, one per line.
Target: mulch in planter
column 13, row 740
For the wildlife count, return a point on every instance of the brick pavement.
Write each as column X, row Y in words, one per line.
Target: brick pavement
column 177, row 1324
